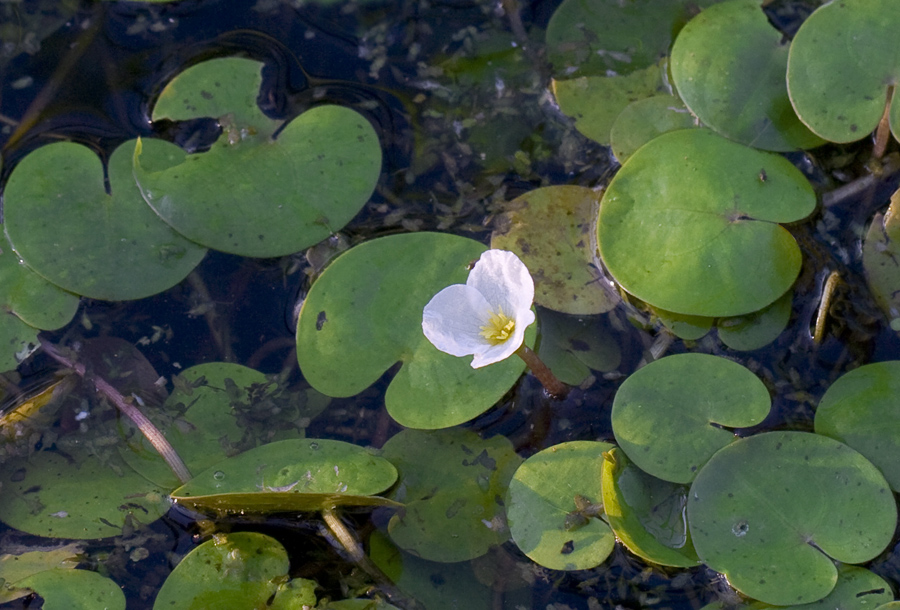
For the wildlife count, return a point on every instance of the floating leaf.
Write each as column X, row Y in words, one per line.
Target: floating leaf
column 15, row 568
column 65, row 226
column 256, row 193
column 28, row 303
column 647, row 514
column 689, row 328
column 207, row 432
column 75, row 590
column 75, row 496
column 452, row 483
column 554, row 507
column 774, row 510
column 437, row 586
column 860, row 410
column 689, row 224
column 238, row 570
column 364, row 314
column 841, row 96
column 668, row 417
column 728, row 64
column 574, row 346
column 642, row 120
column 609, row 35
column 301, row 474
column 551, row 230
column 595, row 101
column 758, row 329
column 743, row 333
column 856, row 589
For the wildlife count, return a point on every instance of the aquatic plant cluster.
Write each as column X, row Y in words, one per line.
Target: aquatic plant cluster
column 697, row 229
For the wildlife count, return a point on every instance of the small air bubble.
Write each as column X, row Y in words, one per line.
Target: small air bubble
column 740, row 529
column 218, row 475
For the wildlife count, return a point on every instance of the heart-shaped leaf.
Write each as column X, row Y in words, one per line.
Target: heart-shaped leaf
column 689, row 224
column 261, row 190
column 859, row 409
column 364, row 314
column 668, row 417
column 728, row 64
column 841, row 96
column 65, row 226
column 554, row 506
column 774, row 510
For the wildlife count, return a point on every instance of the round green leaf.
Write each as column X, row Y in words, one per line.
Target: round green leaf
column 645, row 119
column 364, row 314
column 689, row 224
column 772, row 512
column 451, row 484
column 860, row 410
column 230, row 571
column 254, row 193
column 554, row 505
column 207, row 432
column 841, row 95
column 728, row 64
column 550, row 229
column 646, row 513
column 65, row 226
column 75, row 496
column 595, row 101
column 668, row 416
column 306, row 474
column 75, row 590
column 609, row 35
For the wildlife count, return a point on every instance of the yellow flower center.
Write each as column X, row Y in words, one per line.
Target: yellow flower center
column 499, row 327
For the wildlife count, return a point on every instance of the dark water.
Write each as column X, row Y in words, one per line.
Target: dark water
column 92, row 81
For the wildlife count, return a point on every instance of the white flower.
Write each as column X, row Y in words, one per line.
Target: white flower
column 487, row 316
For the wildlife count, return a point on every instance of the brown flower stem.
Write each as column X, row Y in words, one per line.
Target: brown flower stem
column 556, row 388
column 883, row 131
column 150, row 432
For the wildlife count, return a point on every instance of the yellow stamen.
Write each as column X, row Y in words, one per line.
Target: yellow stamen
column 499, row 328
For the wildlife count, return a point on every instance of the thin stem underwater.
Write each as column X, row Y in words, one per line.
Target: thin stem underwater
column 150, row 432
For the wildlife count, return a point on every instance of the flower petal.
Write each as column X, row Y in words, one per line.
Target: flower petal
column 505, row 282
column 453, row 318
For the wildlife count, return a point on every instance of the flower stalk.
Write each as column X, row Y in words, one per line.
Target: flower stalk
column 555, row 388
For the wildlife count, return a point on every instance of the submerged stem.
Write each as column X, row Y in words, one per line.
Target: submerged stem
column 150, row 432
column 556, row 388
